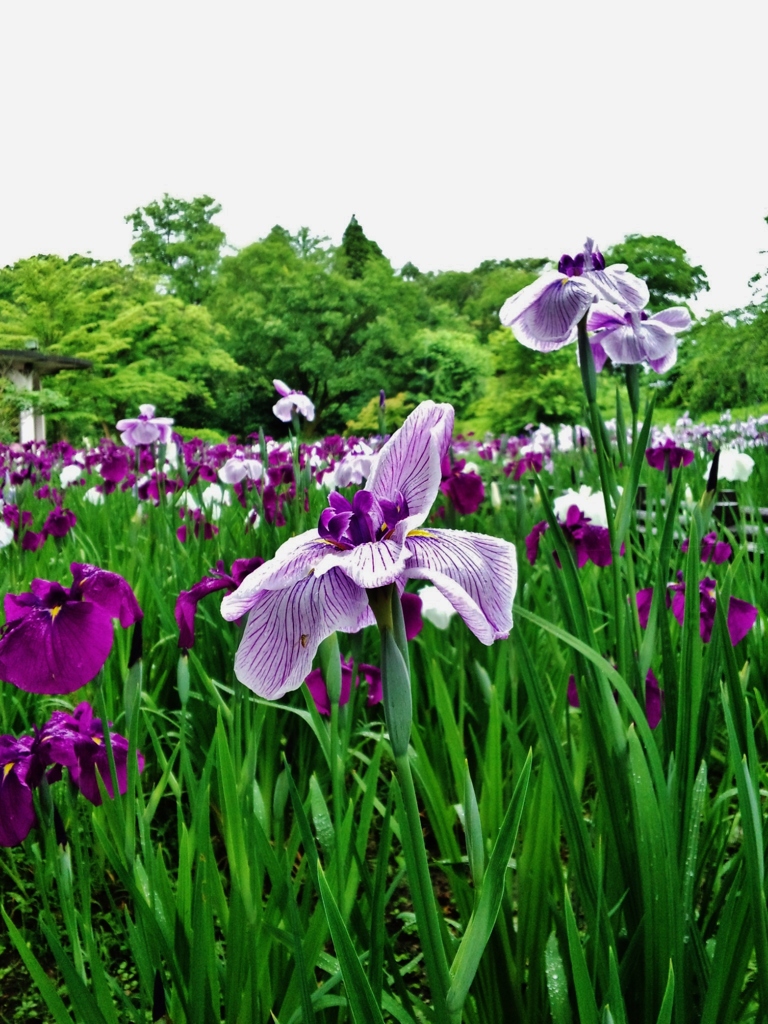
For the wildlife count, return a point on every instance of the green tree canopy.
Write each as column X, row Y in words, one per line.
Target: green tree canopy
column 664, row 265
column 529, row 387
column 177, row 241
column 724, row 363
column 479, row 294
column 144, row 347
column 302, row 319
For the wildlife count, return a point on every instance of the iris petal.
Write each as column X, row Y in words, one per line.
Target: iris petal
column 286, row 626
column 548, row 322
column 616, row 284
column 370, row 565
column 107, row 589
column 17, row 812
column 293, row 560
column 677, row 318
column 410, row 460
column 58, row 650
column 476, row 573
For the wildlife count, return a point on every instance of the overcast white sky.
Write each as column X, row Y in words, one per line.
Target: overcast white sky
column 455, row 132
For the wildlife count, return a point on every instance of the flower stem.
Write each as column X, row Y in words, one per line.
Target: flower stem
column 396, row 685
column 423, row 895
column 632, row 377
column 608, row 485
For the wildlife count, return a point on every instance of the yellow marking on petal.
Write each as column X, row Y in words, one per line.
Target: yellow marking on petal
column 419, row 533
column 384, row 527
column 333, row 544
column 96, row 740
column 54, row 611
column 8, row 768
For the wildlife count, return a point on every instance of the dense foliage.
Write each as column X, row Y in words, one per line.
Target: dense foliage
column 257, row 869
column 203, row 330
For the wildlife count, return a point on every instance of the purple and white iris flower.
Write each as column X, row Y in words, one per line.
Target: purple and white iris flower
column 147, row 429
column 237, row 469
column 544, row 315
column 56, row 639
column 317, row 582
column 290, row 400
column 636, row 336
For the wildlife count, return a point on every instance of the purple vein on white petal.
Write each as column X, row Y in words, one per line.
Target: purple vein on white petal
column 410, row 460
column 478, row 575
column 285, row 627
column 370, row 565
column 676, row 318
column 547, row 323
column 617, row 285
column 293, row 560
column 518, row 303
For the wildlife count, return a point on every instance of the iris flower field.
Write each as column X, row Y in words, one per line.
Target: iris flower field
column 411, row 728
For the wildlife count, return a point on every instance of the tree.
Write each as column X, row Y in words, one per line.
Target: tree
column 759, row 281
column 479, row 294
column 450, row 365
column 356, row 249
column 306, row 321
column 46, row 298
column 178, row 241
column 664, row 265
column 724, row 363
column 410, row 272
column 144, row 347
column 529, row 387
column 305, row 244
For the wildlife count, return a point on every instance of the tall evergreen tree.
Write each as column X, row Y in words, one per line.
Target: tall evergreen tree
column 356, row 249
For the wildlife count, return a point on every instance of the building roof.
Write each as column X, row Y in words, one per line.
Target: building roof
column 27, row 360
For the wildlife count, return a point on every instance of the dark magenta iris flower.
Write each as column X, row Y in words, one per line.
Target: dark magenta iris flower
column 219, row 579
column 654, row 698
column 590, row 543
column 668, row 455
column 318, row 689
column 531, row 461
column 17, row 811
column 74, row 741
column 464, row 487
column 56, row 639
column 414, row 623
column 533, row 539
column 59, row 522
column 712, row 550
column 741, row 615
column 78, row 742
